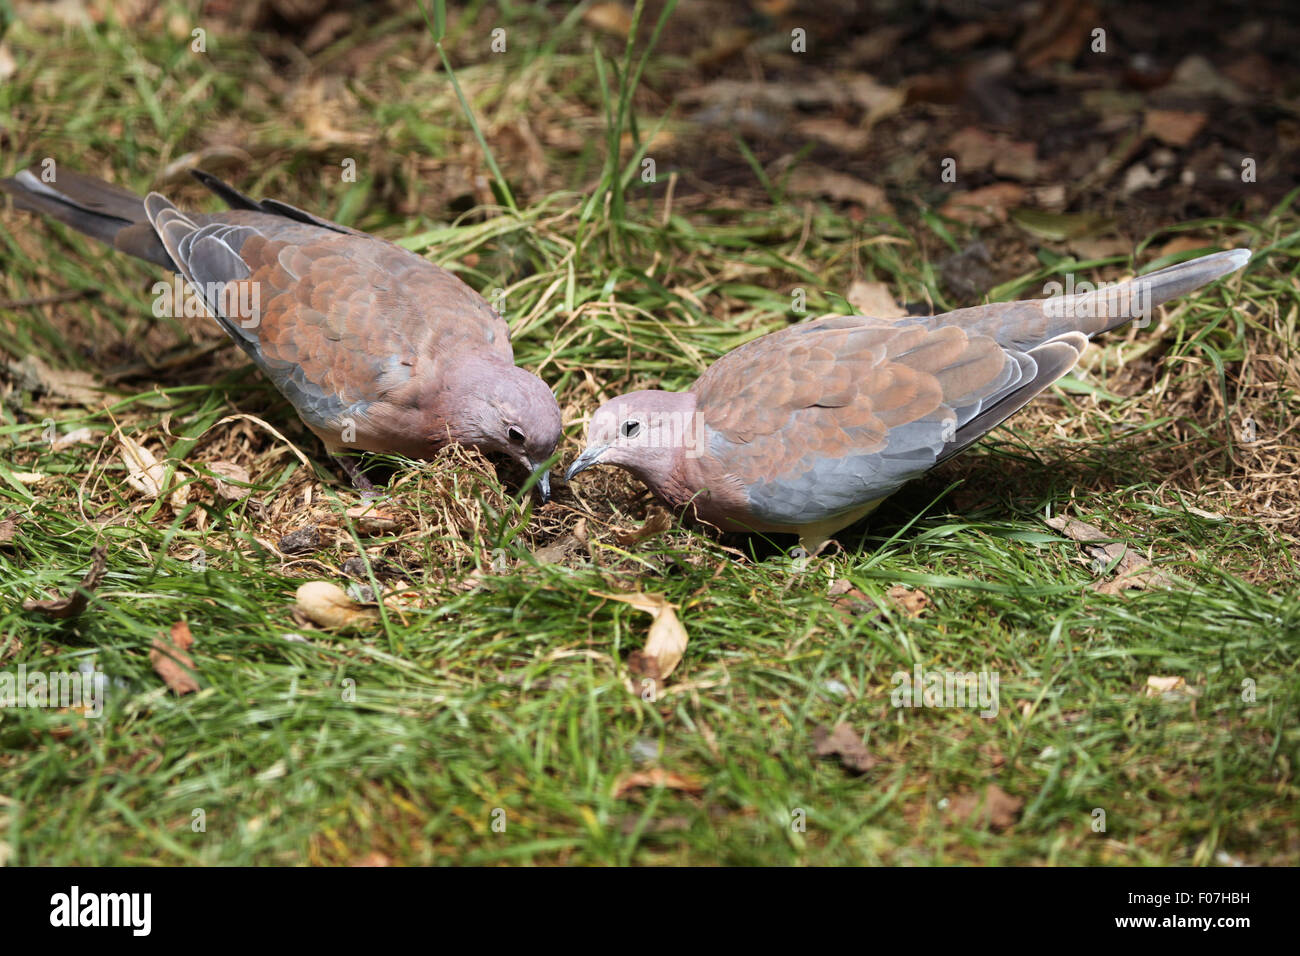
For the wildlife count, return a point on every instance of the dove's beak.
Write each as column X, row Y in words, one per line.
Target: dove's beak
column 543, row 485
column 590, row 456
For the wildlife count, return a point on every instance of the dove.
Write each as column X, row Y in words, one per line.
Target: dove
column 807, row 429
column 376, row 348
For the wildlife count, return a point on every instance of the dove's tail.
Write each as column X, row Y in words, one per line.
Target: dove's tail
column 1083, row 308
column 99, row 209
column 1113, row 306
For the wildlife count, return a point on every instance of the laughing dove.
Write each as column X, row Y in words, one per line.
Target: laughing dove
column 376, row 348
column 807, row 429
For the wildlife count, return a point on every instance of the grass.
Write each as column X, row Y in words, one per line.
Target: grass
column 496, row 679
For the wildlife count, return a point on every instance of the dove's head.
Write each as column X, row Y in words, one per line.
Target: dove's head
column 502, row 408
column 646, row 433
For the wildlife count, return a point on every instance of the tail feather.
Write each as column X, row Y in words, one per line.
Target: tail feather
column 99, row 209
column 1109, row 310
column 1031, row 323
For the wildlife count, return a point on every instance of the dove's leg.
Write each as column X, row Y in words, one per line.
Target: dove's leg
column 359, row 480
column 813, row 538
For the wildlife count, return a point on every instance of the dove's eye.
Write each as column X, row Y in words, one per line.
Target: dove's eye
column 630, row 429
column 515, row 435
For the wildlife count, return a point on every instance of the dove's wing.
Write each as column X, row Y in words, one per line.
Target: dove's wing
column 336, row 319
column 822, row 418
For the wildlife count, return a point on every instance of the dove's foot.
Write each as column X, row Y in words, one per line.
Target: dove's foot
column 363, row 484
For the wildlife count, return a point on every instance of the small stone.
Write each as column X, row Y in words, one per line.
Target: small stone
column 302, row 541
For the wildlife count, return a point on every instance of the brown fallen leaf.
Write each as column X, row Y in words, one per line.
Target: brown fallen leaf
column 1060, row 33
column 373, row 520
column 612, row 18
column 145, row 473
column 974, row 148
column 558, row 550
column 873, row 299
column 72, row 605
column 912, row 601
column 1016, row 160
column 850, row 602
column 845, row 137
column 667, row 641
column 1183, row 243
column 841, row 187
column 227, row 472
column 328, row 605
column 373, row 858
column 657, row 777
column 984, row 207
column 1134, row 571
column 995, row 808
column 844, row 742
column 657, row 521
column 9, row 529
column 1173, row 127
column 171, row 662
column 68, row 386
column 1170, row 688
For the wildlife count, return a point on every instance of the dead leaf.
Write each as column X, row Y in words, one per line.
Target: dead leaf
column 226, row 472
column 327, row 605
column 974, row 148
column 557, row 551
column 1196, row 77
column 913, row 602
column 1060, row 33
column 1173, row 127
column 996, row 808
column 1182, row 244
column 835, row 132
column 657, row 521
column 145, row 473
column 77, row 436
column 667, row 641
column 71, row 606
column 984, row 207
column 1138, row 177
column 850, row 602
column 69, row 386
column 371, row 519
column 171, row 662
column 656, row 777
column 612, row 18
column 845, row 743
column 1016, row 160
column 1133, row 571
column 1170, row 688
column 873, row 299
column 373, row 858
column 9, row 529
column 840, row 187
